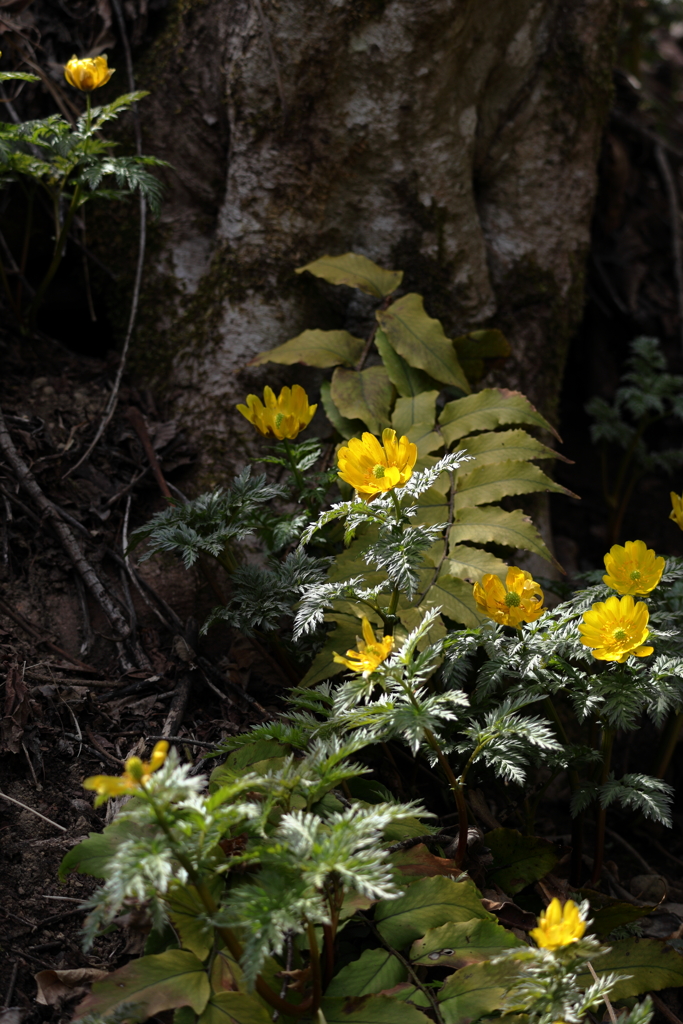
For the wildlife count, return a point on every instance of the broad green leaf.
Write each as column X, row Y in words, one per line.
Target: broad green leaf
column 427, row 904
column 507, row 446
column 433, row 507
column 186, row 911
column 427, row 440
column 491, row 483
column 371, row 1010
column 364, row 394
column 468, row 563
column 608, row 913
column 493, row 525
column 416, row 411
column 455, row 599
column 421, row 340
column 650, row 962
column 411, row 618
column 92, row 856
column 517, row 859
column 374, row 971
column 407, row 380
column 184, row 1015
column 174, row 978
column 460, row 943
column 473, row 991
column 475, row 347
column 257, row 757
column 237, row 1007
column 357, row 272
column 347, row 428
column 488, row 409
column 315, row 348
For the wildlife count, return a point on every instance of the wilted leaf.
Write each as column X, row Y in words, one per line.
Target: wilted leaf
column 458, row 944
column 371, row 1010
column 55, row 986
column 237, row 1007
column 494, row 525
column 491, row 483
column 473, row 991
column 427, row 904
column 418, row 860
column 650, row 962
column 475, row 347
column 421, row 340
column 364, row 394
column 468, row 563
column 374, row 971
column 507, row 446
column 517, row 859
column 347, row 428
column 315, row 348
column 162, row 982
column 357, row 272
column 407, row 380
column 488, row 409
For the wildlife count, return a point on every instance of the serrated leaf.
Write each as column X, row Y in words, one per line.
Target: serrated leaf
column 374, row 971
column 18, row 76
column 357, row 272
column 468, row 563
column 488, row 409
column 650, row 962
column 455, row 599
column 185, row 910
column 458, row 944
column 473, row 991
column 315, row 348
column 407, row 380
column 364, row 394
column 433, row 507
column 347, row 428
column 371, row 1010
column 518, row 860
column 237, row 1007
column 421, row 341
column 428, row 903
column 507, row 446
column 162, row 982
column 415, row 411
column 475, row 347
column 493, row 525
column 504, row 479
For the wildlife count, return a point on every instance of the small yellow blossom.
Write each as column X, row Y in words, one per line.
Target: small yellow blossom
column 558, row 925
column 88, row 73
column 373, row 468
column 519, row 600
column 633, row 569
column 281, row 417
column 137, row 773
column 371, row 652
column 676, row 512
column 616, row 628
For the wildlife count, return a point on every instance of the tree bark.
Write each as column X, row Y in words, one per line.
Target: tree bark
column 454, row 139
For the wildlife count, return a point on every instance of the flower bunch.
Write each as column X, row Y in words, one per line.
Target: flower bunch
column 518, row 600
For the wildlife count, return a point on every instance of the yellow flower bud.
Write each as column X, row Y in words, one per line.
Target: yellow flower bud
column 88, row 73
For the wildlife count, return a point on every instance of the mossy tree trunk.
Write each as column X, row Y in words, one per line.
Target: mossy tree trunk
column 454, row 139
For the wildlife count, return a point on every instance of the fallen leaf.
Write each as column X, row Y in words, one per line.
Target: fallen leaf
column 57, row 986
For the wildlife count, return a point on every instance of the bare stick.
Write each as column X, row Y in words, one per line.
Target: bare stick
column 90, row 577
column 610, row 1008
column 664, row 1009
column 12, row 983
column 675, row 217
column 27, row 808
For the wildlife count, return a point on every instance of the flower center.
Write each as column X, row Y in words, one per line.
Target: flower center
column 278, row 420
column 512, row 600
column 619, row 634
column 379, row 472
column 635, row 575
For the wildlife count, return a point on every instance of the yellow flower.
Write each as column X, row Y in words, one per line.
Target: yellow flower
column 676, row 512
column 372, row 468
column 616, row 628
column 88, row 73
column 633, row 569
column 519, row 600
column 558, row 925
column 137, row 773
column 371, row 652
column 281, row 417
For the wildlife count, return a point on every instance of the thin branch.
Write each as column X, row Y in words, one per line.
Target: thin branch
column 27, row 808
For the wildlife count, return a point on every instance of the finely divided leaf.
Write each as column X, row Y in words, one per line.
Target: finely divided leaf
column 487, row 410
column 315, row 348
column 356, row 272
column 421, row 340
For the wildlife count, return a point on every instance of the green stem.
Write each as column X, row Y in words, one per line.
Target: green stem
column 397, row 505
column 459, row 795
column 295, row 470
column 670, row 739
column 607, row 744
column 57, row 257
column 316, row 973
